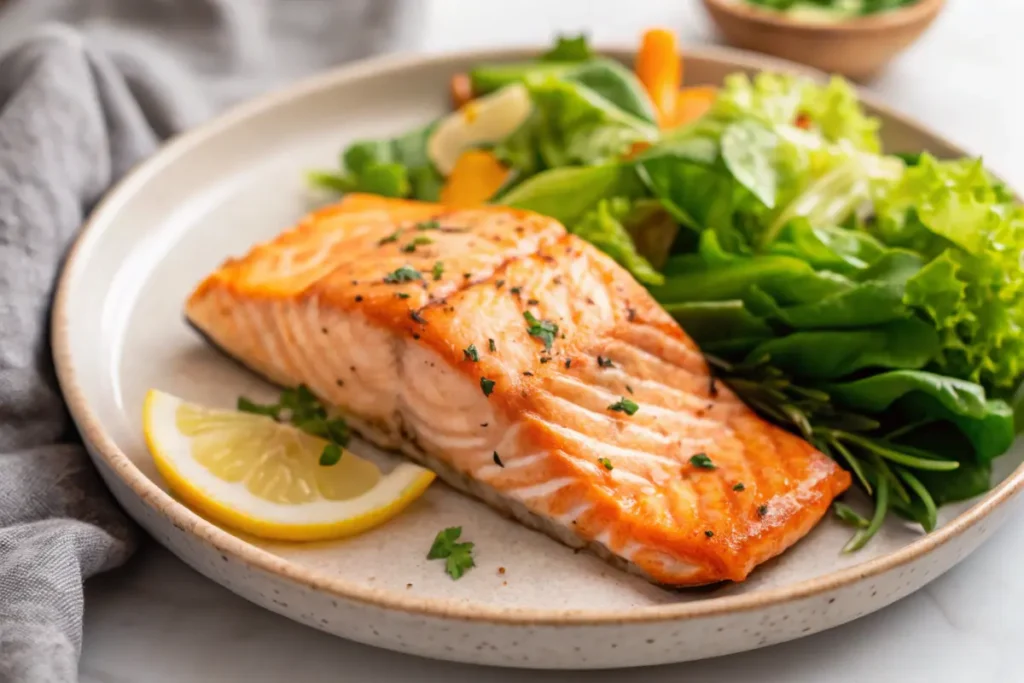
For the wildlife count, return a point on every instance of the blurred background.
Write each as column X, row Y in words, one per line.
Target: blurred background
column 312, row 34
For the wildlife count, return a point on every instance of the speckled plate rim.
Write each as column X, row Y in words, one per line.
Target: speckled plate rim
column 178, row 514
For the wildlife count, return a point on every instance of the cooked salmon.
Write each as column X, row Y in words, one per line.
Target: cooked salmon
column 528, row 369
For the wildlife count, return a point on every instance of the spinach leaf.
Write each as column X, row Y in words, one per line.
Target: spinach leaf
column 711, row 323
column 778, row 274
column 828, row 248
column 867, row 304
column 833, row 354
column 567, row 194
column 945, row 440
column 618, row 85
column 918, row 395
column 715, row 274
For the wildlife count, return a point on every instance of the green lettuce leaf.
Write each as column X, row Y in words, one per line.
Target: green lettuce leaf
column 578, row 126
column 604, row 228
column 569, row 49
column 392, row 167
column 957, row 215
column 782, row 99
column 606, row 77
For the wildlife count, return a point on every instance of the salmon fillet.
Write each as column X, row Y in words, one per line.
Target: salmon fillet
column 508, row 356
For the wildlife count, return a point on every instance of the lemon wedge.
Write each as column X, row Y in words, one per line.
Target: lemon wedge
column 488, row 119
column 263, row 477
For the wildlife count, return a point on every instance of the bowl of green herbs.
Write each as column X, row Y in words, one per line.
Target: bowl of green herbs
column 855, row 38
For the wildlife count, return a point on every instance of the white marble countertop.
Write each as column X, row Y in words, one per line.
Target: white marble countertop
column 157, row 620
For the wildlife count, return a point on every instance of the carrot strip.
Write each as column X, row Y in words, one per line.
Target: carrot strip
column 692, row 103
column 461, row 90
column 660, row 69
column 477, row 175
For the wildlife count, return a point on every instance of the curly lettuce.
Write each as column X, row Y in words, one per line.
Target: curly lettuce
column 972, row 289
column 775, row 99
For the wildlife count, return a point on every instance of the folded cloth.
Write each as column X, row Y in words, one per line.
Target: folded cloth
column 80, row 103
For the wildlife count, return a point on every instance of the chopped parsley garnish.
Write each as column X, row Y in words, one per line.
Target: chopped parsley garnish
column 709, row 533
column 470, row 353
column 487, row 385
column 497, row 460
column 403, row 274
column 428, row 225
column 545, row 359
column 603, row 362
column 437, row 271
column 458, row 557
column 762, row 510
column 629, row 389
column 515, row 290
column 247, row 406
column 499, row 284
column 393, row 237
column 302, row 409
column 532, row 302
column 702, row 461
column 606, row 463
column 544, row 330
column 466, row 276
column 331, row 455
column 419, row 241
column 491, row 345
column 402, row 295
column 624, row 405
column 738, row 486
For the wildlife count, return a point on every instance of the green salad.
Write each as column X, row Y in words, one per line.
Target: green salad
column 831, row 10
column 872, row 303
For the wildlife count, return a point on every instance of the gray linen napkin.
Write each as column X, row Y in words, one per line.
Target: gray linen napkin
column 83, row 97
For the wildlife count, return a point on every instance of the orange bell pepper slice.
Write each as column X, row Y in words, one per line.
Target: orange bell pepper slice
column 692, row 103
column 477, row 176
column 660, row 69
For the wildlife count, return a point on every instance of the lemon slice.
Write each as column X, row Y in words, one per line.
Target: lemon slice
column 263, row 477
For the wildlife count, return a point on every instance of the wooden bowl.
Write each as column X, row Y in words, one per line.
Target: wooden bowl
column 857, row 48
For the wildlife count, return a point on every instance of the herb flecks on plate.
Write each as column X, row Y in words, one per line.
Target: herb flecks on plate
column 458, row 556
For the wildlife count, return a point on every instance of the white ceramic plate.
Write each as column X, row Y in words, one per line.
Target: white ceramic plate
column 118, row 330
